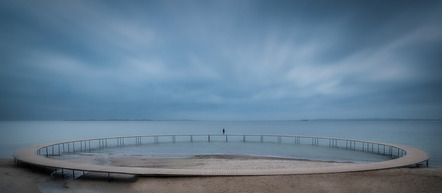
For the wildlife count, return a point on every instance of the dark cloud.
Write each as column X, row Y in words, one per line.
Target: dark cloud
column 220, row 59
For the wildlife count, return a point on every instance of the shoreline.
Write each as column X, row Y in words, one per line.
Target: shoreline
column 203, row 162
column 226, row 162
column 251, row 157
column 17, row 179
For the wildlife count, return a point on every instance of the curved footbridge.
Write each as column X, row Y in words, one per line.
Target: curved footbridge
column 402, row 156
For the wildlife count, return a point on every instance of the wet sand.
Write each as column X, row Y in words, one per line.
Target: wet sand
column 230, row 162
column 15, row 179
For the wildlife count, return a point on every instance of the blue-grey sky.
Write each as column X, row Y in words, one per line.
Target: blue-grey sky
column 220, row 60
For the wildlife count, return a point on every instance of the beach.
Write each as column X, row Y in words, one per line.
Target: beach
column 22, row 179
column 203, row 162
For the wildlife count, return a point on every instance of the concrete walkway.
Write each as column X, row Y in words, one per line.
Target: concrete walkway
column 29, row 155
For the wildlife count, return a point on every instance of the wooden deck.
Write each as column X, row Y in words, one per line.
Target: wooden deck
column 30, row 156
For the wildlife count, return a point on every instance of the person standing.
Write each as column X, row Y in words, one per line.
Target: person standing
column 224, row 131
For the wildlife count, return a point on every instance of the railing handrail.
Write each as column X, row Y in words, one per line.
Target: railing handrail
column 405, row 155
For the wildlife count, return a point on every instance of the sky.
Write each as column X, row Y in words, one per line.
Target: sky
column 220, row 60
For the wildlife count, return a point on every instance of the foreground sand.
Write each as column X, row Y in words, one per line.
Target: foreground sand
column 13, row 179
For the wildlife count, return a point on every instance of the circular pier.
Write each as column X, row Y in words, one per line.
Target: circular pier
column 40, row 155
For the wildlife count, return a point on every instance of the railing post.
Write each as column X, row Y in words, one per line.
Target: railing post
column 391, row 151
column 378, row 147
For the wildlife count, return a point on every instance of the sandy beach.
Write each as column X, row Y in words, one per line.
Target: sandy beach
column 201, row 162
column 15, row 179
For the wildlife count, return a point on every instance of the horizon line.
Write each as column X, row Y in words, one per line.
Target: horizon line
column 245, row 120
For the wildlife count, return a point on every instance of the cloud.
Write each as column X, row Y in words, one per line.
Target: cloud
column 220, row 59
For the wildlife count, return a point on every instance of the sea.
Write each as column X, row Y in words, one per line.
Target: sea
column 422, row 134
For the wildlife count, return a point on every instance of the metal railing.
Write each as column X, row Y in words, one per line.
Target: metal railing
column 87, row 145
column 39, row 155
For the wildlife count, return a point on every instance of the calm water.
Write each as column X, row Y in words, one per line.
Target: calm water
column 266, row 149
column 425, row 135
